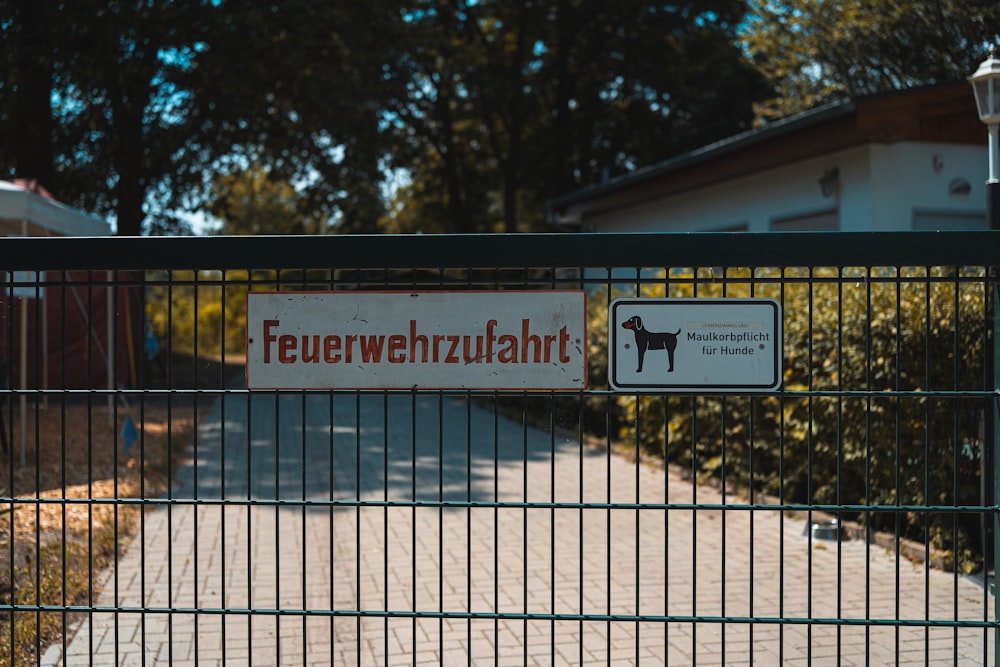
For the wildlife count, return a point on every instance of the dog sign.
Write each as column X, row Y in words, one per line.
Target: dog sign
column 417, row 340
column 695, row 345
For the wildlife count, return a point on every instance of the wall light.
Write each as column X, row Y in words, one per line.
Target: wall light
column 829, row 182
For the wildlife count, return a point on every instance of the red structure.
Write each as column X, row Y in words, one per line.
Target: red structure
column 57, row 330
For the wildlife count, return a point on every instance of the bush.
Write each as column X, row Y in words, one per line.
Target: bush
column 872, row 413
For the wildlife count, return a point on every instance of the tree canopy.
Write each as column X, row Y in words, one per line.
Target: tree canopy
column 425, row 115
column 514, row 103
column 135, row 110
column 815, row 51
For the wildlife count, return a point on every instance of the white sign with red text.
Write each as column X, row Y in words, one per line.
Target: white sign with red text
column 417, row 340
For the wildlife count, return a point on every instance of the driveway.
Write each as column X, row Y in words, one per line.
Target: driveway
column 264, row 537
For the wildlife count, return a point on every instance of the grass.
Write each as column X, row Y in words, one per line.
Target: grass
column 55, row 542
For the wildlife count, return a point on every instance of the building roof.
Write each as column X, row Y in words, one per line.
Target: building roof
column 29, row 210
column 939, row 113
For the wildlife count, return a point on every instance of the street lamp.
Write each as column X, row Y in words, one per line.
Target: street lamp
column 986, row 85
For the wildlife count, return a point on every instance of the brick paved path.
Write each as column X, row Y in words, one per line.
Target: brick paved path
column 279, row 561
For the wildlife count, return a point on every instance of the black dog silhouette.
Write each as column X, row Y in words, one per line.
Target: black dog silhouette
column 650, row 340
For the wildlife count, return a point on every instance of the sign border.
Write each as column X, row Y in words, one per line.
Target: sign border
column 614, row 332
column 584, row 344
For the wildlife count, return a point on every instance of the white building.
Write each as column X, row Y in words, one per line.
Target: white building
column 910, row 160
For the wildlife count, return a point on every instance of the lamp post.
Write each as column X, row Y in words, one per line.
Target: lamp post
column 986, row 86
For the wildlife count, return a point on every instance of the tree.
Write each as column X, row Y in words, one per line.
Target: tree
column 253, row 202
column 25, row 106
column 637, row 82
column 498, row 105
column 302, row 89
column 540, row 98
column 815, row 52
column 91, row 105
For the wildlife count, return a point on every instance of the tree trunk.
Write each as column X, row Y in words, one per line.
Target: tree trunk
column 31, row 121
column 130, row 189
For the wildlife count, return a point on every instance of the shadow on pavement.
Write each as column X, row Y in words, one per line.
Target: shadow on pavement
column 368, row 446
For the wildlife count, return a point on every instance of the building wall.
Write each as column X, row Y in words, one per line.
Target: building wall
column 881, row 187
column 910, row 179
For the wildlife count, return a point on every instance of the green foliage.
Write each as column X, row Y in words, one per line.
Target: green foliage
column 602, row 416
column 93, row 102
column 254, row 202
column 815, row 52
column 875, row 361
column 203, row 320
column 491, row 108
column 514, row 103
column 302, row 89
column 203, row 313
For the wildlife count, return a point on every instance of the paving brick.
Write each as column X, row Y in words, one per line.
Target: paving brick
column 395, row 560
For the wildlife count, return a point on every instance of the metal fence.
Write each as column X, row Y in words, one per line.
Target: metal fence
column 153, row 510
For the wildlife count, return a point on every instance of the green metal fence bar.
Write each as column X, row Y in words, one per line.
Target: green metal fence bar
column 492, row 525
column 991, row 444
column 829, row 249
